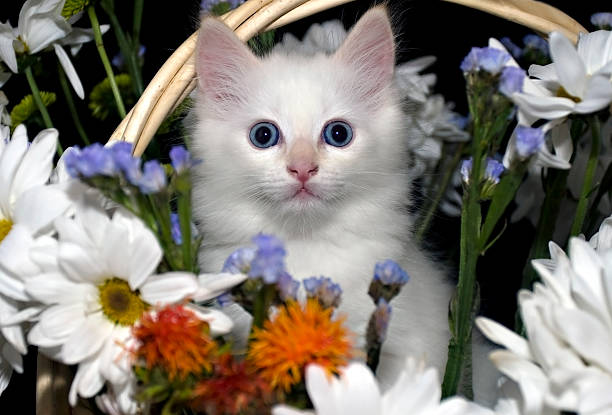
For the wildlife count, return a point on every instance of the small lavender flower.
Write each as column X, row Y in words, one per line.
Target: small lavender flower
column 381, row 317
column 287, row 287
column 180, row 159
column 459, row 121
column 93, row 160
column 390, row 273
column 470, row 62
column 466, row 170
column 225, row 299
column 528, row 141
column 126, row 162
column 537, row 43
column 269, row 261
column 490, row 60
column 207, row 5
column 153, row 178
column 511, row 80
column 175, row 229
column 118, row 60
column 493, row 170
column 323, row 289
column 602, row 20
column 239, row 262
column 512, row 47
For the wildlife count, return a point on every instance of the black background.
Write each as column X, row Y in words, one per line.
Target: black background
column 423, row 27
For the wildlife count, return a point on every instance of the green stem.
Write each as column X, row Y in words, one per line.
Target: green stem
column 462, row 313
column 40, row 105
column 128, row 49
column 91, row 11
column 184, row 212
column 262, row 304
column 71, row 107
column 587, row 184
column 138, row 7
column 433, row 206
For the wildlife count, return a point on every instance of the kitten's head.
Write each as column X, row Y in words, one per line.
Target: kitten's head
column 291, row 134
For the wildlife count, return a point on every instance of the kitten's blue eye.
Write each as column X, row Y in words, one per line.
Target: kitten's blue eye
column 264, row 135
column 337, row 133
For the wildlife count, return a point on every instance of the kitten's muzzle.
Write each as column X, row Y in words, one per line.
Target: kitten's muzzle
column 302, row 170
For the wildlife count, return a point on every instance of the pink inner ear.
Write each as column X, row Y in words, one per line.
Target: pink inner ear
column 370, row 49
column 221, row 61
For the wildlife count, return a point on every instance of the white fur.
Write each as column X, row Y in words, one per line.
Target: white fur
column 360, row 216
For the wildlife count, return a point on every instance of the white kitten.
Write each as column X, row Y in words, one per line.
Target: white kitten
column 338, row 201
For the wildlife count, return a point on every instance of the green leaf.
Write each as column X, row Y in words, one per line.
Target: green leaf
column 27, row 108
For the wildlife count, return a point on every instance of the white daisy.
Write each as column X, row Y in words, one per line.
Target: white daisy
column 565, row 363
column 577, row 82
column 103, row 282
column 40, row 26
column 416, row 391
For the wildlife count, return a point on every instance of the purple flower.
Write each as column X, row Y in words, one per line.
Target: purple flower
column 287, row 287
column 207, row 5
column 119, row 60
column 602, row 20
column 466, row 170
column 269, row 261
column 180, row 159
column 93, row 160
column 323, row 289
column 239, row 262
column 512, row 47
column 487, row 59
column 126, row 162
column 537, row 43
column 175, row 229
column 528, row 141
column 153, row 178
column 511, row 80
column 390, row 273
column 493, row 170
column 459, row 121
column 382, row 315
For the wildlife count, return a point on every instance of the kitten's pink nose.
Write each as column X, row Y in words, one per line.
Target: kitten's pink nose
column 303, row 170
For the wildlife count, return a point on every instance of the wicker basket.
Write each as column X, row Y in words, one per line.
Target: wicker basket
column 176, row 79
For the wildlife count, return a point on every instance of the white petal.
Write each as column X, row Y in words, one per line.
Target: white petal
column 213, row 285
column 10, row 159
column 39, row 206
column 79, row 265
column 415, row 390
column 594, row 50
column 13, row 357
column 71, row 73
column 41, row 24
column 568, row 64
column 562, row 141
column 503, row 336
column 14, row 335
column 459, row 406
column 87, row 381
column 7, row 52
column 5, row 374
column 87, row 339
column 286, row 410
column 598, row 95
column 55, row 288
column 60, row 321
column 169, row 287
column 219, row 323
column 321, row 392
column 542, row 106
column 546, row 73
column 358, row 391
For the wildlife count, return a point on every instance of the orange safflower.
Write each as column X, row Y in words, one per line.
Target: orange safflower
column 174, row 339
column 299, row 335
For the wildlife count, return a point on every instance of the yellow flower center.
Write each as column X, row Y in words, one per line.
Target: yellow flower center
column 119, row 303
column 5, row 228
column 562, row 93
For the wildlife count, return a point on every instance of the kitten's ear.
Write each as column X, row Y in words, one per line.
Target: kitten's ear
column 370, row 49
column 221, row 60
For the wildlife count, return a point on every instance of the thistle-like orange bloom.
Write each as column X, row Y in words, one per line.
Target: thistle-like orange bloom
column 174, row 339
column 299, row 335
column 234, row 389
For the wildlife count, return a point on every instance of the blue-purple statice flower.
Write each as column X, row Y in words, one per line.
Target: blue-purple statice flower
column 602, row 20
column 119, row 60
column 528, row 141
column 536, row 43
column 512, row 47
column 493, row 170
column 487, row 59
column 153, row 178
column 511, row 80
column 269, row 261
column 126, row 163
column 180, row 159
column 381, row 318
column 287, row 287
column 324, row 290
column 239, row 262
column 389, row 272
column 466, row 170
column 93, row 160
column 207, row 5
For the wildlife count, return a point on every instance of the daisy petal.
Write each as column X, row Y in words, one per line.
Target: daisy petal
column 59, row 321
column 71, row 73
column 568, row 64
column 10, row 160
column 503, row 336
column 79, row 265
column 213, row 285
column 38, row 207
column 87, row 381
column 5, row 374
column 7, row 52
column 87, row 339
column 286, row 410
column 219, row 323
column 169, row 287
column 14, row 335
column 13, row 357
